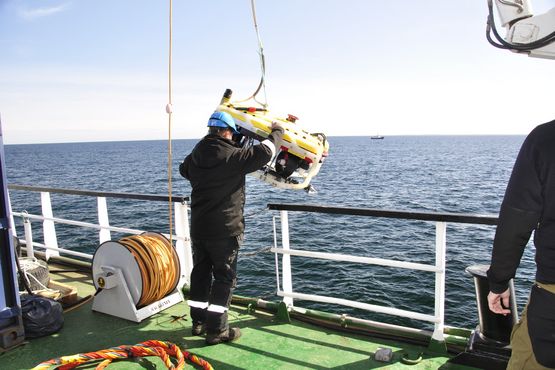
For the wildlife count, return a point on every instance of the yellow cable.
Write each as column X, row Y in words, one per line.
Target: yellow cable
column 158, row 264
column 144, row 267
column 140, row 263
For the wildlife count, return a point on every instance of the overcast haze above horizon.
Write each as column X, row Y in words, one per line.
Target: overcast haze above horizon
column 80, row 71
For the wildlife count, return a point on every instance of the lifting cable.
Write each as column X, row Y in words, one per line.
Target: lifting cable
column 500, row 42
column 162, row 349
column 262, row 84
column 169, row 112
column 158, row 264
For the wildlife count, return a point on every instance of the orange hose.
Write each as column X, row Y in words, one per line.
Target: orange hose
column 158, row 263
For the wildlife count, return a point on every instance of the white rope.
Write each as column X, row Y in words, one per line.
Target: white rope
column 27, row 275
column 169, row 110
column 31, row 264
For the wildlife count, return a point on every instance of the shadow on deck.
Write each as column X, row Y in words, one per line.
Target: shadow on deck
column 266, row 343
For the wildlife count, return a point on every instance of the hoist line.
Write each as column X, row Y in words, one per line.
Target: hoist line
column 262, row 84
column 169, row 112
column 261, row 54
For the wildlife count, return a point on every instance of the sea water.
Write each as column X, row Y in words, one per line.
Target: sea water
column 454, row 174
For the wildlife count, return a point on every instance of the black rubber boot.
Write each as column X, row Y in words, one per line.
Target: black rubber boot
column 228, row 335
column 198, row 329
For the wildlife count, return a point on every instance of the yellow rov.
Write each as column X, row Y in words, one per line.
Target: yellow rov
column 300, row 153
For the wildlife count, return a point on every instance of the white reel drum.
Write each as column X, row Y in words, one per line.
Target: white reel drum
column 115, row 254
column 136, row 276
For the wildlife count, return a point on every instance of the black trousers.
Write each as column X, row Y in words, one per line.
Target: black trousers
column 213, row 279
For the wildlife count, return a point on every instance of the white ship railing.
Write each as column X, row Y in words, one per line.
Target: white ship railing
column 285, row 288
column 284, row 279
column 50, row 245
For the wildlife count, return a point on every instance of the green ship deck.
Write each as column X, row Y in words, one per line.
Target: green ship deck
column 267, row 342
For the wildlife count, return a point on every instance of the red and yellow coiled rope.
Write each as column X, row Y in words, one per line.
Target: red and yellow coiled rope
column 162, row 349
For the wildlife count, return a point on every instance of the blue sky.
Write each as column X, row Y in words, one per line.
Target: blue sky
column 97, row 70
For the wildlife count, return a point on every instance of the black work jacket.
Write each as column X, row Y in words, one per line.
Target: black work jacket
column 528, row 205
column 216, row 169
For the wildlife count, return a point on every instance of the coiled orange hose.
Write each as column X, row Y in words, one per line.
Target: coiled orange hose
column 158, row 263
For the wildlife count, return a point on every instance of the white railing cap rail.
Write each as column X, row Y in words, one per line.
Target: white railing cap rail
column 154, row 197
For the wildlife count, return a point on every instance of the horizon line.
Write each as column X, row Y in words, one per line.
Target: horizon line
column 331, row 136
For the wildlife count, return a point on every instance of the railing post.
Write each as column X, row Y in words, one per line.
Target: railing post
column 286, row 259
column 14, row 232
column 49, row 230
column 28, row 237
column 183, row 247
column 438, row 339
column 104, row 234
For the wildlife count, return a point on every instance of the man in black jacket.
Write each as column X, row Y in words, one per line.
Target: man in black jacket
column 528, row 205
column 216, row 169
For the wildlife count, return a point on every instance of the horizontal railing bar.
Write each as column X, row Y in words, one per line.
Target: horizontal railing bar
column 67, row 251
column 357, row 259
column 409, row 215
column 162, row 198
column 77, row 223
column 88, row 224
column 363, row 306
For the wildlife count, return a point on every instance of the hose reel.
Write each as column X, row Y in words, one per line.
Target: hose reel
column 136, row 276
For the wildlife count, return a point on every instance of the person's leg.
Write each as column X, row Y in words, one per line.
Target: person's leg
column 201, row 281
column 224, row 255
column 540, row 318
column 522, row 356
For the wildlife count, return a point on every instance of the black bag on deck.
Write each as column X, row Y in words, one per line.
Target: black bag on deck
column 41, row 316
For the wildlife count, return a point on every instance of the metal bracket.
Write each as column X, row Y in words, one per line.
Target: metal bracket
column 283, row 313
column 115, row 298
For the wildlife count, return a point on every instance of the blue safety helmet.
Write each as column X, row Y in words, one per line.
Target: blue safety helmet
column 222, row 119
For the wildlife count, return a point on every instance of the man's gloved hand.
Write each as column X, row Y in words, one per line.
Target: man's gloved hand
column 277, row 126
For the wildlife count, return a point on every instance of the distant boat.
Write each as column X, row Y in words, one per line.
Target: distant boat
column 376, row 137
